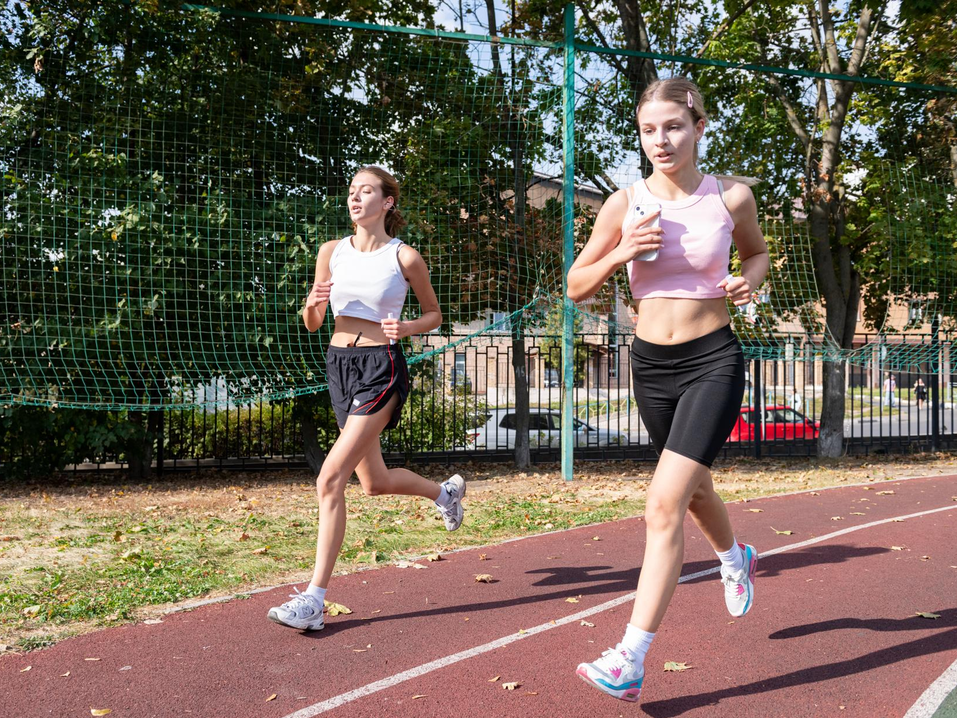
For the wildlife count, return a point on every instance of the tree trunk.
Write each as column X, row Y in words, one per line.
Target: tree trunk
column 523, row 457
column 139, row 453
column 830, row 442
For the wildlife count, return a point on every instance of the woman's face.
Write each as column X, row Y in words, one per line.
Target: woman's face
column 366, row 202
column 668, row 134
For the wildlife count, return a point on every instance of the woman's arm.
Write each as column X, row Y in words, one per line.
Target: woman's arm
column 749, row 239
column 608, row 249
column 317, row 300
column 416, row 271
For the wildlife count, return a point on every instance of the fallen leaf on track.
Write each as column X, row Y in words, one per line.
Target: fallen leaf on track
column 674, row 666
column 837, row 518
column 596, row 538
column 818, row 493
column 271, row 698
column 884, row 493
column 64, row 675
column 781, row 533
column 434, row 557
column 100, row 711
column 897, row 548
column 755, row 511
column 857, row 513
column 571, row 599
column 483, row 557
column 24, row 670
column 335, row 609
column 409, row 564
column 511, row 686
column 493, row 680
column 91, row 659
column 926, row 614
column 586, row 624
column 925, row 558
column 420, row 695
column 484, row 578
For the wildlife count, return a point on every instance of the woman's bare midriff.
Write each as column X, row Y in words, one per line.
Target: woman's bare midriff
column 664, row 320
column 348, row 328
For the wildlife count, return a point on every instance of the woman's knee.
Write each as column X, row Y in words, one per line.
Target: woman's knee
column 330, row 482
column 662, row 513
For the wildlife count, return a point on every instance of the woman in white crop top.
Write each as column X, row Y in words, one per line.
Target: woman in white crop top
column 365, row 278
column 687, row 365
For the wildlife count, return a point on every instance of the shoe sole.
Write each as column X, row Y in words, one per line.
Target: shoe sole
column 305, row 627
column 630, row 695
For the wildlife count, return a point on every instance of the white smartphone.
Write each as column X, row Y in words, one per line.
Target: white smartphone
column 638, row 213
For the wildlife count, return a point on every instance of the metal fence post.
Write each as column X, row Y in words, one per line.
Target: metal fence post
column 757, row 402
column 568, row 240
column 935, row 385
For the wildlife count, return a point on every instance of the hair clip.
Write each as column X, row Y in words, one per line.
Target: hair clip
column 690, row 100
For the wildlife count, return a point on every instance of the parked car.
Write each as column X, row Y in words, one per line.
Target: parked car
column 544, row 430
column 779, row 422
column 551, row 379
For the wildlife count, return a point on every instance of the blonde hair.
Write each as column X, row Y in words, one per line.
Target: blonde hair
column 394, row 221
column 680, row 90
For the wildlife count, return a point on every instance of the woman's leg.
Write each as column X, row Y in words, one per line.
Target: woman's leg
column 377, row 479
column 359, row 436
column 676, row 481
column 711, row 516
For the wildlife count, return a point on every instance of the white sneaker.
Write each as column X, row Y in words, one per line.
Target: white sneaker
column 615, row 673
column 453, row 512
column 739, row 587
column 302, row 612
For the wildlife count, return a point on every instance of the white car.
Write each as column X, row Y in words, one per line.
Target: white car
column 544, row 430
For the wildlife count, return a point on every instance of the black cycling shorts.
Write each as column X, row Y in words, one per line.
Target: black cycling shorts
column 689, row 395
column 363, row 379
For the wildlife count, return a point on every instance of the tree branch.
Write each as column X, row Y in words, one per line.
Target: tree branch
column 796, row 126
column 601, row 37
column 725, row 26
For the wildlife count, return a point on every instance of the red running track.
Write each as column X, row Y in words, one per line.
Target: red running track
column 832, row 631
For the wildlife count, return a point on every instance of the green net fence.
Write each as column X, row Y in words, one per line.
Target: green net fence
column 167, row 180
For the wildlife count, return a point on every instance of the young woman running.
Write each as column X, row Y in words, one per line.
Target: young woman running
column 365, row 278
column 687, row 365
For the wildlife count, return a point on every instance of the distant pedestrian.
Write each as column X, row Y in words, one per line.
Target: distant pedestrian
column 889, row 390
column 920, row 391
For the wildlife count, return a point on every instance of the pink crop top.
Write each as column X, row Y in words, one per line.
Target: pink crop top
column 695, row 249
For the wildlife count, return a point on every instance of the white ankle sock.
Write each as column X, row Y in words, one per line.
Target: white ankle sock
column 637, row 643
column 317, row 593
column 733, row 558
column 444, row 498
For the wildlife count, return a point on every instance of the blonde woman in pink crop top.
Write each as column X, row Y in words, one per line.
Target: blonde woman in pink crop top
column 365, row 279
column 687, row 365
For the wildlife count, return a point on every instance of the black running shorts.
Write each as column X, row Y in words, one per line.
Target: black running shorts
column 363, row 379
column 689, row 395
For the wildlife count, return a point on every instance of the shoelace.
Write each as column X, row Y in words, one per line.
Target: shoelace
column 731, row 584
column 613, row 657
column 299, row 600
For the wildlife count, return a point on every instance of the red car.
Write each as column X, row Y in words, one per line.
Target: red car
column 780, row 422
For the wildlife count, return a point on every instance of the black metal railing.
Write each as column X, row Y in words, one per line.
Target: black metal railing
column 463, row 397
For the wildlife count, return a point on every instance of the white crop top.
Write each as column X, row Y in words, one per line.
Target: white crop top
column 367, row 285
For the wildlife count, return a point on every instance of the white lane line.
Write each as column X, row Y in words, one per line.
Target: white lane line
column 936, row 693
column 394, row 680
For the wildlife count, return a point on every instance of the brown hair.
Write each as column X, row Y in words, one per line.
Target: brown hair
column 394, row 221
column 678, row 90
